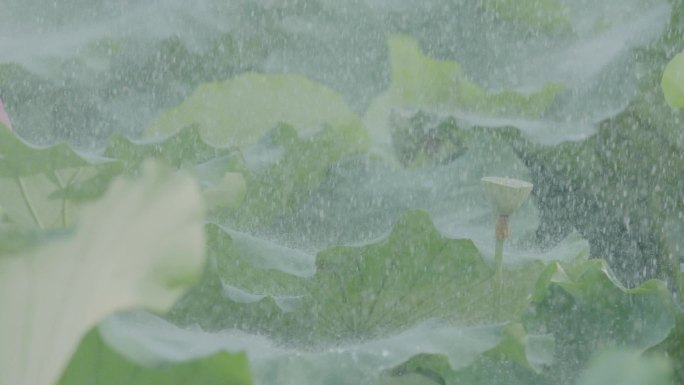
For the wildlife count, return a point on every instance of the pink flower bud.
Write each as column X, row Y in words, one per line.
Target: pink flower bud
column 4, row 118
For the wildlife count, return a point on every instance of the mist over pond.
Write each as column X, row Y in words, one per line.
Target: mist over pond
column 338, row 148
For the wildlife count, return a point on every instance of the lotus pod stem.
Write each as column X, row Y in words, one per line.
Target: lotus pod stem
column 505, row 195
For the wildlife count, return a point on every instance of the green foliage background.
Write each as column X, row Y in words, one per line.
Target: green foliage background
column 356, row 248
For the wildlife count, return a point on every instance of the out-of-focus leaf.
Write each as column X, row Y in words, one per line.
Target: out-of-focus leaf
column 183, row 149
column 422, row 81
column 95, row 362
column 359, row 200
column 251, row 284
column 351, row 293
column 286, row 166
column 589, row 187
column 19, row 158
column 419, row 81
column 35, row 181
column 421, row 139
column 228, row 193
column 141, row 245
column 673, row 82
column 256, row 266
column 115, row 83
column 673, row 346
column 586, row 310
column 49, row 111
column 151, row 339
column 505, row 363
column 627, row 368
column 218, row 169
column 239, row 111
column 542, row 15
column 399, row 281
column 15, row 239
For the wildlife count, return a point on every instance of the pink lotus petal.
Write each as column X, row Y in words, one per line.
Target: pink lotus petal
column 4, row 118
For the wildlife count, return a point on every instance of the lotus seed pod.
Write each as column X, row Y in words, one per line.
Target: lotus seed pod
column 506, row 194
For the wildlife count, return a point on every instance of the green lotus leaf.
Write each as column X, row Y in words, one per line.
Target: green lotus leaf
column 150, row 339
column 182, row 149
column 419, row 81
column 257, row 266
column 253, row 284
column 350, row 293
column 371, row 290
column 420, row 139
column 587, row 310
column 214, row 306
column 95, row 362
column 218, row 169
column 141, row 245
column 47, row 110
column 588, row 175
column 115, row 83
column 627, row 367
column 673, row 82
column 505, row 363
column 37, row 181
column 18, row 158
column 286, row 166
column 229, row 192
column 673, row 346
column 541, row 15
column 15, row 238
column 241, row 110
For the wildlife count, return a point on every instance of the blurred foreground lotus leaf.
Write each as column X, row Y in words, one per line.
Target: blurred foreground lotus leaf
column 141, row 245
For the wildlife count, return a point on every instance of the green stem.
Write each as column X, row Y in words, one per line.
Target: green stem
column 64, row 200
column 498, row 275
column 24, row 195
column 675, row 272
column 63, row 186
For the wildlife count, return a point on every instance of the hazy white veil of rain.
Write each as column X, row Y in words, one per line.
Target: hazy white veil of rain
column 123, row 62
column 340, row 44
